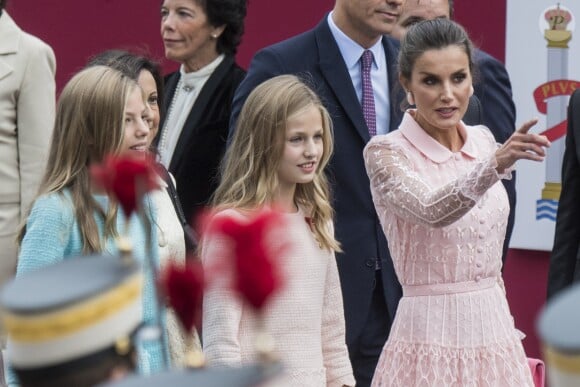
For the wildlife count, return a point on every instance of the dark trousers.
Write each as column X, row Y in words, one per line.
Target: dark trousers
column 365, row 351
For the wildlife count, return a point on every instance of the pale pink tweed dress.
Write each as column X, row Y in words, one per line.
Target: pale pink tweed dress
column 445, row 215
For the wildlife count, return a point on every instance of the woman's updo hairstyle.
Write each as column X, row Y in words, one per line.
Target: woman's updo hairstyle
column 429, row 35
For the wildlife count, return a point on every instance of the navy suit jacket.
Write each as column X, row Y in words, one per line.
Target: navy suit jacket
column 565, row 258
column 494, row 90
column 315, row 56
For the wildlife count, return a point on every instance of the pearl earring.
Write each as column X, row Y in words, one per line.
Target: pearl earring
column 214, row 36
column 410, row 98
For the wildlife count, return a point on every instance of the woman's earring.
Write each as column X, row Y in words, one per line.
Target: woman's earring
column 410, row 98
column 214, row 36
column 471, row 91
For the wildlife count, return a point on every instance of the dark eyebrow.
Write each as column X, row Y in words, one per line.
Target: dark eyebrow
column 427, row 74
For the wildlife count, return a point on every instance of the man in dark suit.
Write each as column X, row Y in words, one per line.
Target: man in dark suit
column 329, row 58
column 565, row 258
column 492, row 87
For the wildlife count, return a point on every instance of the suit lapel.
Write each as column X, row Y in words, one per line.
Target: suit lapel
column 336, row 74
column 170, row 86
column 391, row 52
column 5, row 69
column 10, row 34
column 198, row 108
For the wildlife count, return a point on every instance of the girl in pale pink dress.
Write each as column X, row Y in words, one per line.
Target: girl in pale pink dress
column 436, row 187
column 277, row 157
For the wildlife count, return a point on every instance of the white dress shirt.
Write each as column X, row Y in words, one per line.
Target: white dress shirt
column 351, row 53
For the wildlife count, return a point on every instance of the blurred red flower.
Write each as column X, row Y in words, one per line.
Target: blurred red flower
column 257, row 274
column 183, row 287
column 126, row 178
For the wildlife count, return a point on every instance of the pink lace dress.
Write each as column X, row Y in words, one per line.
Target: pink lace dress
column 445, row 215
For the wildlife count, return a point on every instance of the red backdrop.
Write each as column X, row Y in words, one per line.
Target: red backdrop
column 78, row 29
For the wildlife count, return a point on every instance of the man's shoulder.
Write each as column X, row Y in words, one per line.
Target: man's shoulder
column 481, row 55
column 294, row 45
column 486, row 60
column 318, row 36
column 309, row 48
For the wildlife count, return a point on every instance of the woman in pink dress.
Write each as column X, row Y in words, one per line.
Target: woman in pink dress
column 436, row 187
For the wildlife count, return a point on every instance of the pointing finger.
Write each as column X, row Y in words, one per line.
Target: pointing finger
column 527, row 125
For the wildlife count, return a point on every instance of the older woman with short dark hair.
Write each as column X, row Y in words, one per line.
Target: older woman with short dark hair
column 202, row 35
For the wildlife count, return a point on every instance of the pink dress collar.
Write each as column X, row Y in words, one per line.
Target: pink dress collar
column 431, row 147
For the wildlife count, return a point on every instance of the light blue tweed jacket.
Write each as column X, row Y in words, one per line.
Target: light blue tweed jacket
column 52, row 234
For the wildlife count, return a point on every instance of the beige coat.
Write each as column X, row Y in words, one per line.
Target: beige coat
column 27, row 108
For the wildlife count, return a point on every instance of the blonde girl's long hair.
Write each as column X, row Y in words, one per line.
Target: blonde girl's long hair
column 89, row 124
column 249, row 172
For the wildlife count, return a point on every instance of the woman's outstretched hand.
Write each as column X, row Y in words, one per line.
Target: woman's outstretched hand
column 521, row 145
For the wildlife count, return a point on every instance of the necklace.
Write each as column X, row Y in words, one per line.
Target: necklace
column 170, row 112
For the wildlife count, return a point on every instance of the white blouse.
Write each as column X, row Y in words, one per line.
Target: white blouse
column 186, row 93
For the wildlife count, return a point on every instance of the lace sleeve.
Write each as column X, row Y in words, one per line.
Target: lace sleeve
column 396, row 185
